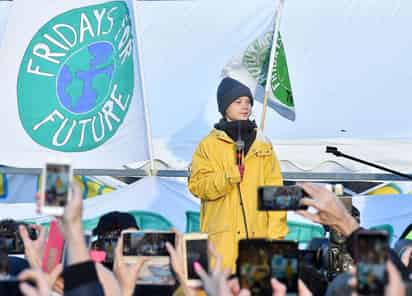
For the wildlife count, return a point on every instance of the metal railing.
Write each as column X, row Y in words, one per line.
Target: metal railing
column 289, row 176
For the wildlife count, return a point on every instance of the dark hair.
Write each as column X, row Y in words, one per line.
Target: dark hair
column 114, row 222
column 9, row 226
column 4, row 263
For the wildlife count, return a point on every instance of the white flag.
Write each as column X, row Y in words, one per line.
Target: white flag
column 70, row 84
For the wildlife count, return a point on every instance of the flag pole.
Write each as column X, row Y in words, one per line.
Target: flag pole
column 268, row 85
column 146, row 106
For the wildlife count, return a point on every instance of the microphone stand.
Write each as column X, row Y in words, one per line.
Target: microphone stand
column 337, row 153
column 240, row 151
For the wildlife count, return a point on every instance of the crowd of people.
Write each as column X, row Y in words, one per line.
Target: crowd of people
column 83, row 276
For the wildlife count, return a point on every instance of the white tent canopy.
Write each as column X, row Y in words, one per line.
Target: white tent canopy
column 349, row 65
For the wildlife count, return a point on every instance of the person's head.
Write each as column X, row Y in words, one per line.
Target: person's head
column 234, row 100
column 108, row 231
column 9, row 226
column 115, row 222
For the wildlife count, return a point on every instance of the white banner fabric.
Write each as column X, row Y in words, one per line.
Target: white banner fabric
column 70, row 85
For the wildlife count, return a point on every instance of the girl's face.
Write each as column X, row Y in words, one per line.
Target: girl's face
column 240, row 109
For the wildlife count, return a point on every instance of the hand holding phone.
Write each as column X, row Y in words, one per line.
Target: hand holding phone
column 56, row 187
column 280, row 198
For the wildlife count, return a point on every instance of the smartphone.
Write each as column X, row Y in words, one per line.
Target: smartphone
column 56, row 180
column 280, row 198
column 285, row 263
column 371, row 254
column 253, row 267
column 157, row 270
column 195, row 249
column 260, row 260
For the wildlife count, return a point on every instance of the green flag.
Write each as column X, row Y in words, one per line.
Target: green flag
column 256, row 61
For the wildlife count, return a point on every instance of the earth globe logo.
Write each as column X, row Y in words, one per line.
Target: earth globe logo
column 84, row 80
column 76, row 80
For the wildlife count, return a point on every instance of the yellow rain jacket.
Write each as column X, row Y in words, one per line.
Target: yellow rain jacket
column 215, row 178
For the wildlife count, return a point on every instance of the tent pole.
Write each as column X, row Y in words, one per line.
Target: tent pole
column 145, row 104
column 268, row 85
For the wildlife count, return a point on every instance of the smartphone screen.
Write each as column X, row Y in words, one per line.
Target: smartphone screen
column 260, row 260
column 371, row 250
column 253, row 266
column 280, row 198
column 284, row 263
column 196, row 251
column 57, row 184
column 157, row 269
column 146, row 243
column 133, row 243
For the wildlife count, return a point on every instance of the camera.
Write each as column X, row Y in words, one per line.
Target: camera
column 10, row 239
column 326, row 257
column 329, row 258
column 330, row 255
column 280, row 198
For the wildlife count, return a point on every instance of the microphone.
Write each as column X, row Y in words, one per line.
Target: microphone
column 333, row 150
column 240, row 153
